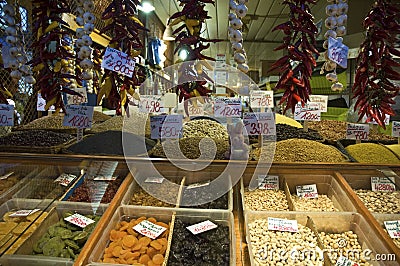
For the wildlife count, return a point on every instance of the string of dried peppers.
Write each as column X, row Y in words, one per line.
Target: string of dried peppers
column 374, row 86
column 297, row 66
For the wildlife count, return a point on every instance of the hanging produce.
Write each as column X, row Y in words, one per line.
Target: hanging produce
column 54, row 52
column 239, row 11
column 193, row 16
column 4, row 94
column 297, row 66
column 374, row 86
column 124, row 29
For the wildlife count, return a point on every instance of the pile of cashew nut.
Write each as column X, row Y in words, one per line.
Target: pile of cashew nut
column 238, row 11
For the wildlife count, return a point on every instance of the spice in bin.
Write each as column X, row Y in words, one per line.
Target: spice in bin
column 9, row 182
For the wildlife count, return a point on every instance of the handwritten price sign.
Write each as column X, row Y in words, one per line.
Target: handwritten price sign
column 310, row 112
column 6, row 115
column 201, row 227
column 269, row 182
column 150, row 104
column 65, row 179
column 322, row 100
column 78, row 116
column 76, row 99
column 384, row 184
column 79, row 220
column 307, row 191
column 149, row 229
column 166, row 126
column 23, row 213
column 195, row 110
column 259, row 124
column 118, row 61
column 357, row 131
column 227, row 107
column 396, row 129
column 276, row 224
column 337, row 52
column 262, row 99
column 393, row 228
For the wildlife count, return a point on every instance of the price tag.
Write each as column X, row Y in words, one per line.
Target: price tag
column 343, row 261
column 197, row 185
column 357, row 131
column 23, row 213
column 337, row 52
column 150, row 104
column 383, row 184
column 283, row 225
column 41, row 103
column 149, row 229
column 6, row 115
column 76, row 99
column 220, row 61
column 105, row 178
column 396, row 129
column 79, row 220
column 202, row 227
column 157, row 180
column 78, row 116
column 227, row 107
column 262, row 99
column 118, row 61
column 307, row 191
column 195, row 110
column 6, row 176
column 65, row 179
column 221, row 77
column 393, row 228
column 166, row 126
column 322, row 100
column 309, row 112
column 268, row 182
column 259, row 124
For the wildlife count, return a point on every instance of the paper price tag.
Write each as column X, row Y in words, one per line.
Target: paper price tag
column 150, row 104
column 220, row 61
column 195, row 110
column 118, row 61
column 76, row 99
column 221, row 77
column 307, row 191
column 6, row 115
column 201, row 227
column 23, row 213
column 338, row 52
column 157, row 180
column 79, row 220
column 357, row 131
column 322, row 100
column 65, row 179
column 393, row 228
column 166, row 126
column 259, row 124
column 383, row 184
column 78, row 116
column 41, row 103
column 268, row 182
column 310, row 112
column 105, row 178
column 276, row 224
column 149, row 229
column 343, row 261
column 198, row 185
column 262, row 99
column 396, row 129
column 227, row 107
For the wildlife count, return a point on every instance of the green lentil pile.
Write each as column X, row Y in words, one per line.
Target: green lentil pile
column 372, row 153
column 302, row 150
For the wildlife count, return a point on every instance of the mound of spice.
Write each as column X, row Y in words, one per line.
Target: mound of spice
column 284, row 131
column 34, row 138
column 372, row 153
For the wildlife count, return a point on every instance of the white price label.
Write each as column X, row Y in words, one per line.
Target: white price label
column 41, row 103
column 79, row 220
column 105, row 178
column 76, row 99
column 118, row 61
column 262, row 99
column 343, row 261
column 308, row 112
column 307, row 191
column 384, row 184
column 150, row 104
column 157, row 180
column 220, row 61
column 396, row 129
column 322, row 100
column 23, row 213
column 166, row 126
column 393, row 228
column 357, row 131
column 149, row 229
column 65, row 179
column 198, row 185
column 283, row 225
column 195, row 110
column 269, row 182
column 338, row 52
column 259, row 124
column 227, row 107
column 6, row 115
column 201, row 227
column 78, row 116
column 221, row 77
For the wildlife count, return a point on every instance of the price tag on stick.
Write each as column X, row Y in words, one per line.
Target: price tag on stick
column 259, row 124
column 337, row 52
column 166, row 126
column 384, row 184
column 118, row 61
column 283, row 225
column 308, row 112
column 396, row 129
column 262, row 99
column 78, row 116
column 269, row 182
column 393, row 228
column 150, row 104
column 76, row 99
column 357, row 131
column 227, row 107
column 307, row 191
column 6, row 115
column 149, row 229
column 79, row 220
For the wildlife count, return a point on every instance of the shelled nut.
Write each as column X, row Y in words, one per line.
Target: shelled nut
column 265, row 200
column 322, row 203
column 380, row 202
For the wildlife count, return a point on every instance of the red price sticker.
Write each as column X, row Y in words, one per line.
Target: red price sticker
column 227, row 107
column 308, row 112
column 78, row 116
column 262, row 99
column 338, row 52
column 307, row 191
column 79, row 220
column 201, row 227
column 384, row 184
column 393, row 228
column 150, row 104
column 149, row 229
column 283, row 225
column 6, row 115
column 76, row 99
column 23, row 213
column 118, row 61
column 396, row 129
column 357, row 131
column 259, row 124
column 166, row 126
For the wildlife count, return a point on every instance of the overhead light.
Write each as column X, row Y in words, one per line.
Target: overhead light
column 146, row 7
column 183, row 54
column 167, row 36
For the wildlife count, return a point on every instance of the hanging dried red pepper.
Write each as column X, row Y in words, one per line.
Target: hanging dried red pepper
column 374, row 86
column 297, row 66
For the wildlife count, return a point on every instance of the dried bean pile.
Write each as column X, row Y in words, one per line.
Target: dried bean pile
column 302, row 150
column 9, row 182
column 284, row 132
column 265, row 200
column 372, row 153
column 209, row 248
column 380, row 202
column 165, row 190
column 320, row 204
column 205, row 128
column 203, row 194
column 396, row 241
column 35, row 138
